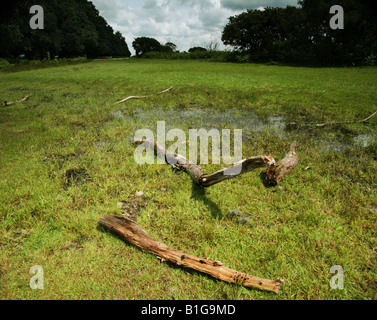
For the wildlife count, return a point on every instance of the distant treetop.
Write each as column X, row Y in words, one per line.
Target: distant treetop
column 197, row 49
column 145, row 44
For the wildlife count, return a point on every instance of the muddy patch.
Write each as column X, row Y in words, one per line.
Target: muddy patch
column 132, row 206
column 240, row 217
column 76, row 176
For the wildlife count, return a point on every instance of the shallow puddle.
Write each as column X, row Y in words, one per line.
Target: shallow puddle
column 118, row 114
column 338, row 139
column 365, row 140
column 213, row 118
column 347, row 143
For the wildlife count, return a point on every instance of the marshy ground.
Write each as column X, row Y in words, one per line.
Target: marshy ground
column 67, row 158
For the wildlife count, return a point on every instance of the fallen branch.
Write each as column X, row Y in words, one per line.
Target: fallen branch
column 276, row 172
column 141, row 97
column 131, row 232
column 6, row 104
column 346, row 122
column 238, row 168
column 196, row 173
column 131, row 97
column 168, row 89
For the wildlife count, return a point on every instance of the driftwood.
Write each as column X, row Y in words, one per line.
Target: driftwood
column 6, row 103
column 131, row 232
column 345, row 122
column 207, row 180
column 141, row 97
column 276, row 172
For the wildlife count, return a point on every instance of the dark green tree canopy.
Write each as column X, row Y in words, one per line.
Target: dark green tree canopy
column 71, row 28
column 145, row 44
column 170, row 47
column 303, row 34
column 196, row 49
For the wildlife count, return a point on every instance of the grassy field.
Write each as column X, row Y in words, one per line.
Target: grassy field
column 67, row 158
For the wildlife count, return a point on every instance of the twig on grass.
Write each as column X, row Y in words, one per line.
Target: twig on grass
column 168, row 89
column 6, row 103
column 346, row 122
column 130, row 97
column 141, row 97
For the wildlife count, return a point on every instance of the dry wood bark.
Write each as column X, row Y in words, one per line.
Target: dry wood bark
column 131, row 232
column 276, row 172
column 6, row 103
column 207, row 180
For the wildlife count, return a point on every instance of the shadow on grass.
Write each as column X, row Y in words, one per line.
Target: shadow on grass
column 199, row 193
column 263, row 179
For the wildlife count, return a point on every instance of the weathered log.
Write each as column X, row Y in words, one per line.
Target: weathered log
column 196, row 173
column 276, row 172
column 131, row 232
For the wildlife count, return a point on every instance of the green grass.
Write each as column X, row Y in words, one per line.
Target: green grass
column 315, row 219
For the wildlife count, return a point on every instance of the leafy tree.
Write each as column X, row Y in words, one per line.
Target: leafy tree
column 120, row 46
column 354, row 43
column 145, row 44
column 71, row 28
column 170, row 47
column 263, row 34
column 303, row 34
column 11, row 39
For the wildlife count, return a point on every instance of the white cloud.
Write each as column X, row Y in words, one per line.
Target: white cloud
column 186, row 23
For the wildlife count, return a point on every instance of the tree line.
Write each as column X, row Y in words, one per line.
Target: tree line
column 150, row 47
column 72, row 28
column 299, row 34
column 303, row 34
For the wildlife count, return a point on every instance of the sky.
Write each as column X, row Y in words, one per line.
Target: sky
column 186, row 23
